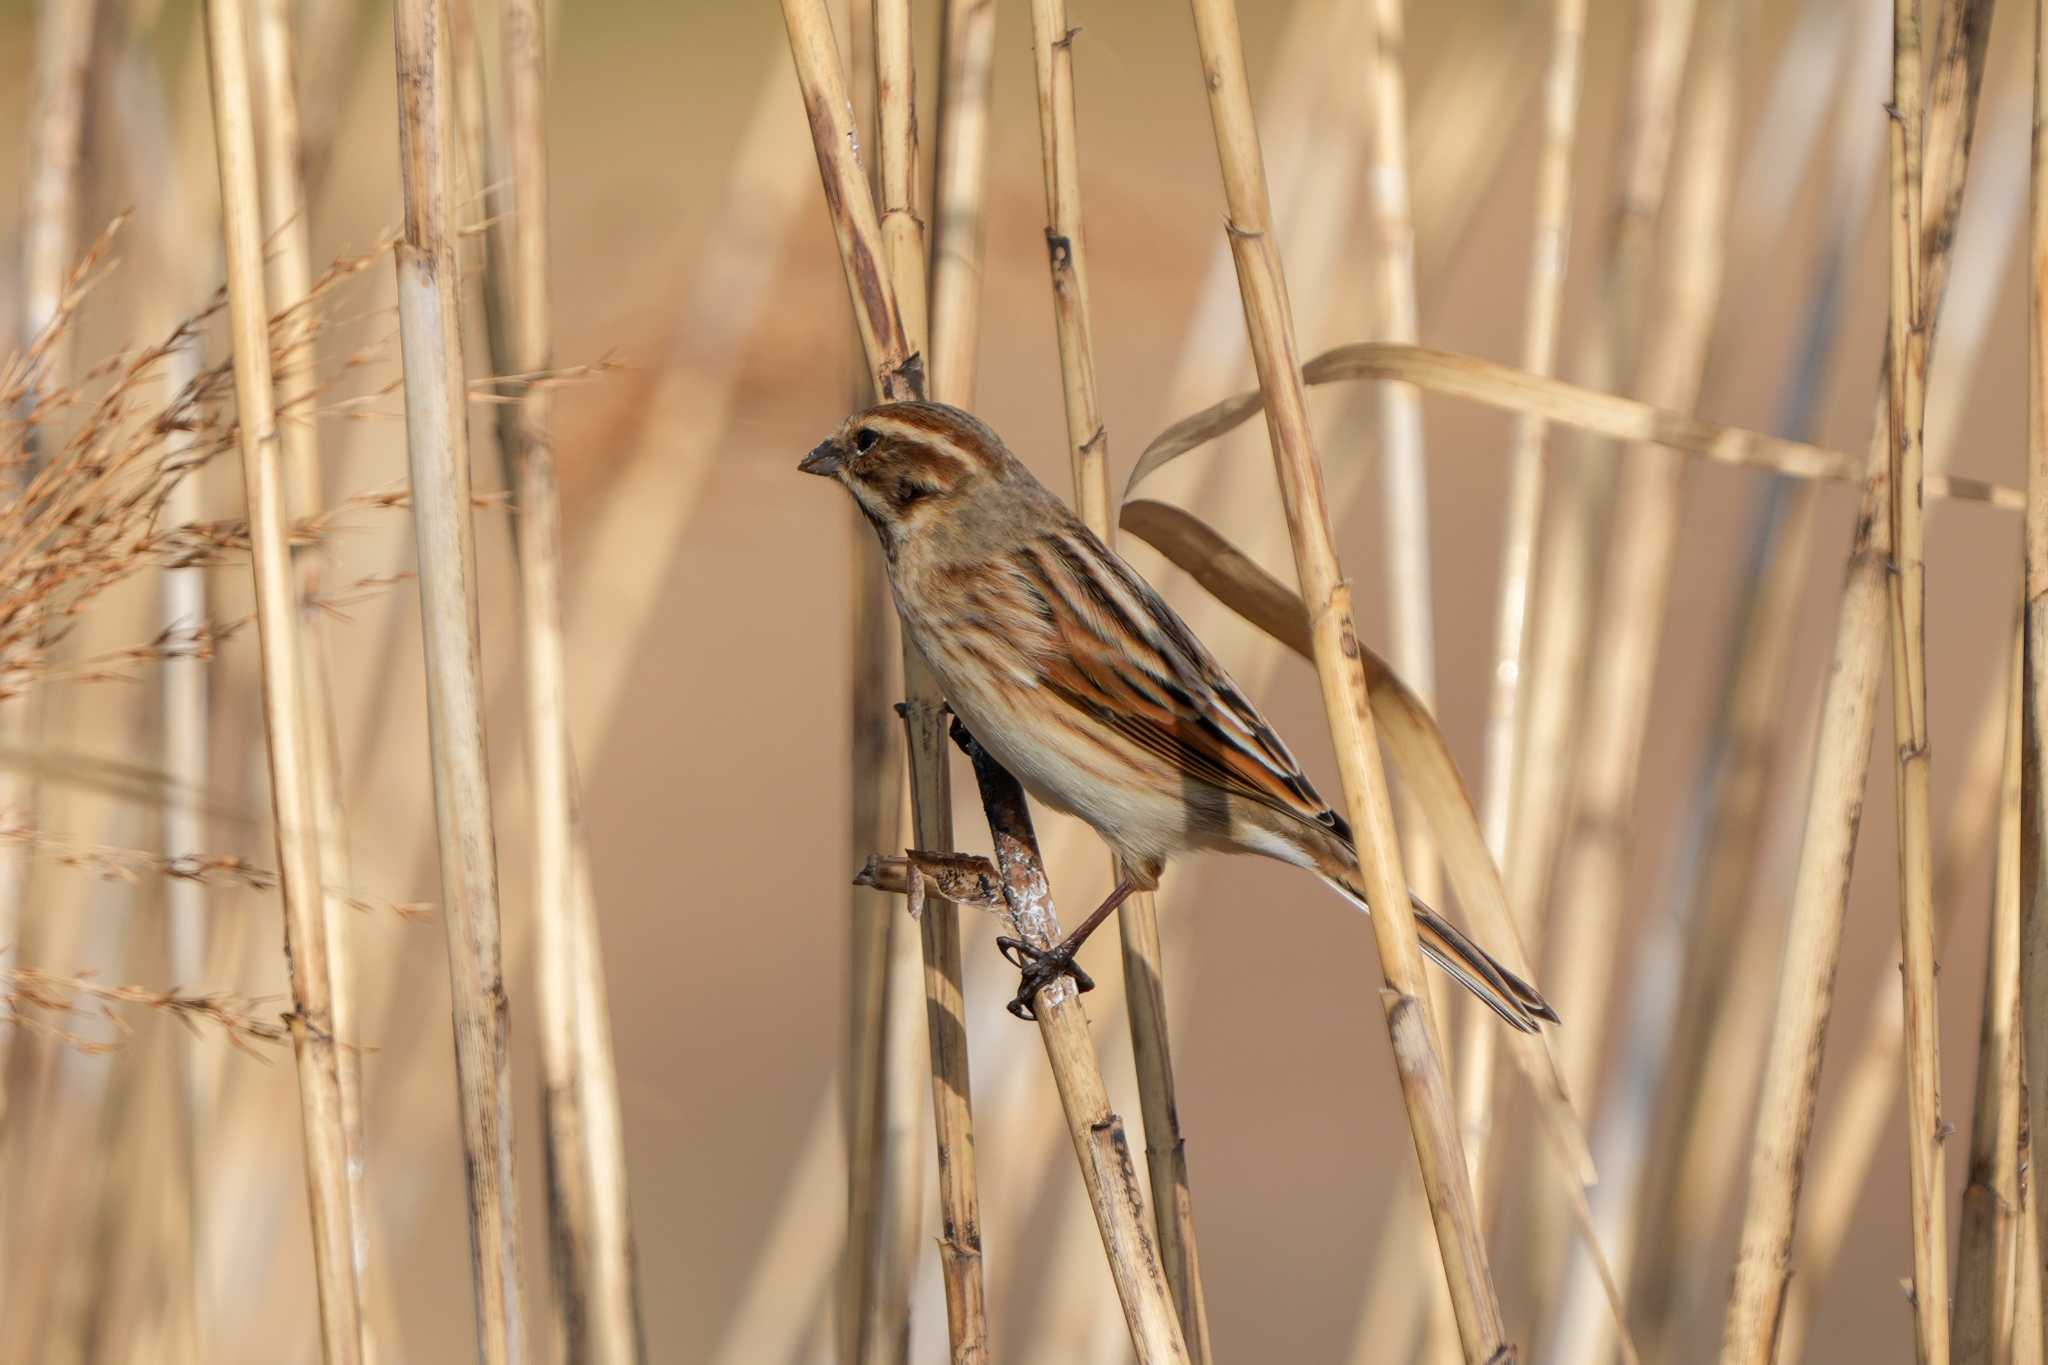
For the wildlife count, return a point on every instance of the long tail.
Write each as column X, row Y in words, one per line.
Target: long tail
column 1477, row 970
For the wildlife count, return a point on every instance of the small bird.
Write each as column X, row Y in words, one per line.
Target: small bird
column 1076, row 675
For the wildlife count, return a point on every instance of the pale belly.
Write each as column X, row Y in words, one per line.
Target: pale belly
column 1082, row 775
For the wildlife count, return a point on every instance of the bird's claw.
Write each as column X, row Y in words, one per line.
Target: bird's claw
column 1040, row 967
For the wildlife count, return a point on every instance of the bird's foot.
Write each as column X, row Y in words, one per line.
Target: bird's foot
column 1041, row 967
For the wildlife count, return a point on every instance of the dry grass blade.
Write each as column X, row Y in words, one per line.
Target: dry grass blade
column 1423, row 760
column 285, row 720
column 1906, row 368
column 437, row 439
column 597, row 1307
column 1088, row 445
column 1502, row 386
column 1841, row 767
column 1446, row 1179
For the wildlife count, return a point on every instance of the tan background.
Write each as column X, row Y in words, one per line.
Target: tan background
column 715, row 799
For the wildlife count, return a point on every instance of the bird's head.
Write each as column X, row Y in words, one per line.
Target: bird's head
column 916, row 469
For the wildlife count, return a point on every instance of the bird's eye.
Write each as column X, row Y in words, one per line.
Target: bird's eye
column 864, row 439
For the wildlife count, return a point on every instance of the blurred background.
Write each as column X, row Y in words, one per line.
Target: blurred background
column 708, row 617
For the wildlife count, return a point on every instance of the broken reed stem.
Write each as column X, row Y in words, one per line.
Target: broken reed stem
column 286, row 723
column 437, row 439
column 1906, row 367
column 1445, row 1176
column 924, row 722
column 1523, row 521
column 1098, row 1133
column 1144, row 963
column 286, row 230
column 1984, row 1262
column 1841, row 765
column 597, row 1315
column 2034, row 729
column 967, row 36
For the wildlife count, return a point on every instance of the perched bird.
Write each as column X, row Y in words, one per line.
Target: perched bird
column 1071, row 671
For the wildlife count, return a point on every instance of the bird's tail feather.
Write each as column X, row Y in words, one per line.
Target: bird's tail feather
column 1471, row 966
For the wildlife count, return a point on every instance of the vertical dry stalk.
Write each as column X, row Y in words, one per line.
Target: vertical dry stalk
column 1982, row 1330
column 967, row 39
column 590, row 1229
column 291, row 276
column 437, row 437
column 1844, row 1155
column 1524, row 517
column 1403, row 477
column 1905, row 363
column 1715, row 1022
column 2034, row 725
column 1841, row 765
column 1098, row 1133
column 897, row 373
column 924, row 723
column 284, row 702
column 1052, row 43
column 1445, row 1176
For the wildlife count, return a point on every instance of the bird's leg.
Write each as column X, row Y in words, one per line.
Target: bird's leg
column 1043, row 966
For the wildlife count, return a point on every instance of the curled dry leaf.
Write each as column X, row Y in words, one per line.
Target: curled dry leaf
column 1420, row 754
column 1513, row 390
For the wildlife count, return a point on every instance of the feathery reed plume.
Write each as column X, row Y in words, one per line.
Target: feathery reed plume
column 285, row 720
column 437, row 439
column 597, row 1311
column 1445, row 1177
column 1052, row 45
column 1841, row 766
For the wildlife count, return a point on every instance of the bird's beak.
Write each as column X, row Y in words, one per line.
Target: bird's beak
column 826, row 458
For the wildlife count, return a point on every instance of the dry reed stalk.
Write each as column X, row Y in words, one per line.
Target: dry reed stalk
column 287, row 232
column 1845, row 1153
column 903, row 251
column 1984, row 1262
column 888, row 1073
column 898, row 372
column 1713, row 1024
column 285, row 721
column 598, row 1310
column 1906, row 369
column 2034, row 703
column 2025, row 1344
column 967, row 37
column 1523, row 519
column 1297, row 466
column 437, row 439
column 1785, row 1111
column 1098, row 1133
column 1052, row 43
